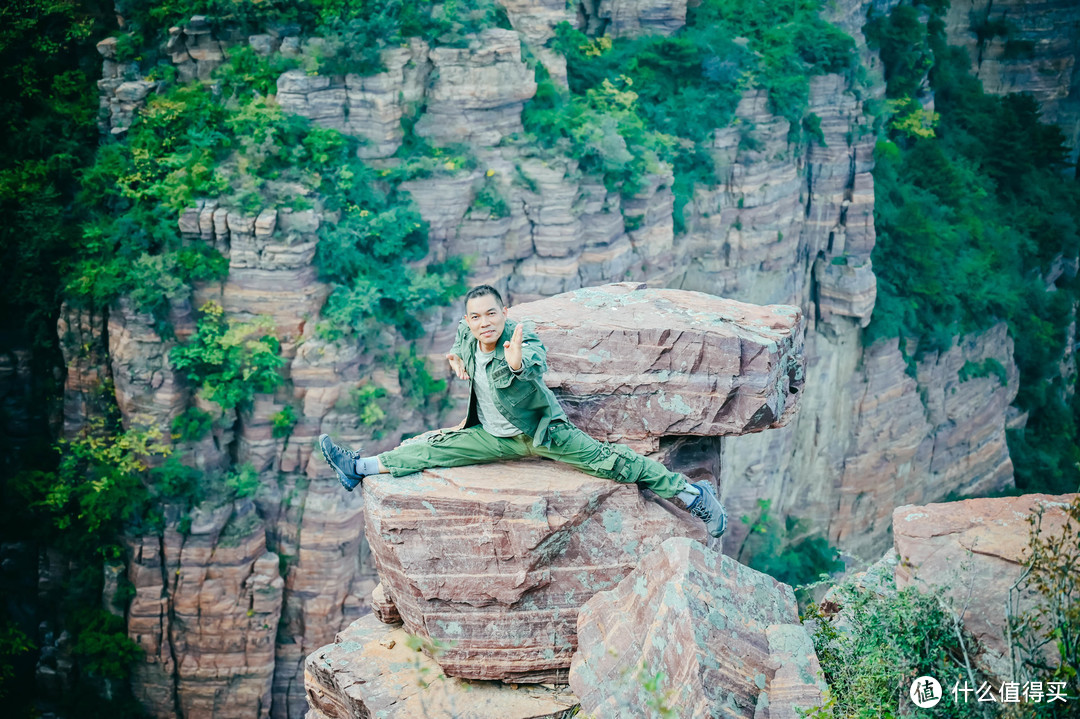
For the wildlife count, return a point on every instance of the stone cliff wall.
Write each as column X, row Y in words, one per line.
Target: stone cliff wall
column 1025, row 46
column 790, row 224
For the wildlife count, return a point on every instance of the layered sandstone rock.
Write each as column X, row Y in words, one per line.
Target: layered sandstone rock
column 630, row 18
column 906, row 439
column 975, row 549
column 148, row 390
column 635, row 364
column 84, row 345
column 205, row 613
column 371, row 671
column 478, row 92
column 719, row 634
column 367, row 106
column 495, row 560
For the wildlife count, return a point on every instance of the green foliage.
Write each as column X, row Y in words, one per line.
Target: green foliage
column 884, row 643
column 987, row 368
column 283, row 422
column 418, row 387
column 230, row 361
column 970, row 212
column 98, row 485
column 48, row 132
column 102, row 645
column 175, row 480
column 782, row 549
column 191, row 425
column 371, row 404
column 242, row 482
column 14, row 644
column 489, row 196
column 1050, row 628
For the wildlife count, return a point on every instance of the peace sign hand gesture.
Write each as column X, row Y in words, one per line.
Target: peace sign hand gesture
column 512, row 349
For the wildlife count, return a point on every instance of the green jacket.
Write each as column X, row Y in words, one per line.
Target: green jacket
column 521, row 396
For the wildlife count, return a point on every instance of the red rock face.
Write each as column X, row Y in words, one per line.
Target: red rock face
column 632, row 364
column 975, row 549
column 721, row 635
column 494, row 560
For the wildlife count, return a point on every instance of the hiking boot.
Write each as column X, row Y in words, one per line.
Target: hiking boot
column 342, row 460
column 709, row 509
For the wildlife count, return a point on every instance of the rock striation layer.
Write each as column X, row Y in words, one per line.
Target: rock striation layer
column 635, row 364
column 726, row 640
column 494, row 561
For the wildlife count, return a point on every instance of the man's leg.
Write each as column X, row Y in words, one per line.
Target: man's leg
column 622, row 464
column 610, row 461
column 452, row 448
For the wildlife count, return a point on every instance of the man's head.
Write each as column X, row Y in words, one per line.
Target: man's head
column 486, row 315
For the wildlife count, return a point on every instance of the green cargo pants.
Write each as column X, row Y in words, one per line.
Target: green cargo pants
column 473, row 445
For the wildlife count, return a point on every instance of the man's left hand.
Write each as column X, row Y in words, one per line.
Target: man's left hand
column 512, row 349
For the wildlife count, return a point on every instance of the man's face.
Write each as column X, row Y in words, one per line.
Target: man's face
column 486, row 320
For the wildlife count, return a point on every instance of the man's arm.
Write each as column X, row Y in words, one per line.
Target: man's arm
column 454, row 355
column 533, row 362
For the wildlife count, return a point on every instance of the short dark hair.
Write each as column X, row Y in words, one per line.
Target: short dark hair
column 483, row 291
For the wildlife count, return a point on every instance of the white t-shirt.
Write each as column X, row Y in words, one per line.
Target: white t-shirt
column 491, row 419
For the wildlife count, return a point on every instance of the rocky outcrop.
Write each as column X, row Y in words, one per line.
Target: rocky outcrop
column 205, row 612
column 372, row 670
column 907, row 439
column 493, row 561
column 83, row 342
column 149, row 391
column 632, row 364
column 367, row 106
column 975, row 550
column 630, row 18
column 478, row 92
column 714, row 632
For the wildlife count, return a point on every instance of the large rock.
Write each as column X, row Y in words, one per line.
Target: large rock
column 635, row 364
column 370, row 671
column 205, row 613
column 975, row 550
column 495, row 560
column 724, row 639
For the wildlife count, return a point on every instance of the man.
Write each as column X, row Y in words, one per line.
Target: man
column 512, row 414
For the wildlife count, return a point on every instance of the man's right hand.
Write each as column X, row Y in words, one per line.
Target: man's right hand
column 458, row 365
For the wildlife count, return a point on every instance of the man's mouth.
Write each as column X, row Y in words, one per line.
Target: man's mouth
column 485, row 333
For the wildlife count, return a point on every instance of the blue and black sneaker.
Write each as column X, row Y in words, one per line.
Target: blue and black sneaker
column 708, row 508
column 342, row 460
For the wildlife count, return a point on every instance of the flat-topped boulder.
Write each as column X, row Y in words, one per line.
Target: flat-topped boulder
column 699, row 632
column 633, row 364
column 494, row 561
